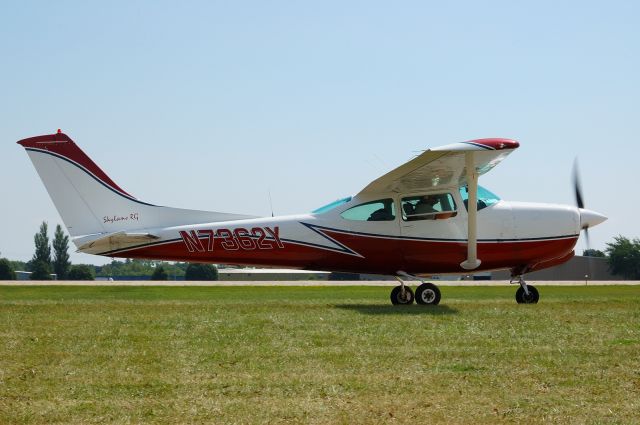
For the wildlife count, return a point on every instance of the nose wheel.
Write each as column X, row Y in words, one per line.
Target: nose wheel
column 526, row 294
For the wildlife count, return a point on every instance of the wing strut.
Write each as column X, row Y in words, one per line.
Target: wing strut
column 472, row 261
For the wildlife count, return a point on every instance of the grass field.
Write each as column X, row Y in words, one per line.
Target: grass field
column 317, row 355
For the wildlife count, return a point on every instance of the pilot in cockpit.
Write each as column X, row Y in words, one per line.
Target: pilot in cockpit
column 426, row 205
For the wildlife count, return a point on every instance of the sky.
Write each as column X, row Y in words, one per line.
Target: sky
column 214, row 105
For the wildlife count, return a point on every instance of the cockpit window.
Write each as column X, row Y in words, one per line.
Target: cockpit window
column 381, row 210
column 428, row 207
column 331, row 206
column 485, row 197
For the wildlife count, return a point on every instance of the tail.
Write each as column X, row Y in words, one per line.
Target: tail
column 90, row 203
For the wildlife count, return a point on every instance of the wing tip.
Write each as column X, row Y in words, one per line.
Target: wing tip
column 495, row 143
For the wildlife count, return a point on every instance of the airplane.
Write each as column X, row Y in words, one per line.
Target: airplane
column 428, row 216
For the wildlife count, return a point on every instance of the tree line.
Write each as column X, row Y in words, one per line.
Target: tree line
column 51, row 259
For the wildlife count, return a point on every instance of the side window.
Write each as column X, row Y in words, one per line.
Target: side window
column 428, row 207
column 382, row 210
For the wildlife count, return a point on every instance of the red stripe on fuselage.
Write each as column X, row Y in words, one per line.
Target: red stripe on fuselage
column 62, row 145
column 379, row 254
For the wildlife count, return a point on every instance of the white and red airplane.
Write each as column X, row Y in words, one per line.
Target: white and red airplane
column 428, row 216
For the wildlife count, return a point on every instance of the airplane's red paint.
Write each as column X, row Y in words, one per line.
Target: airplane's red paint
column 380, row 255
column 550, row 263
column 61, row 144
column 496, row 143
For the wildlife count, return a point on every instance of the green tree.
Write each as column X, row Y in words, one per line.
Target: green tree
column 593, row 253
column 6, row 271
column 41, row 240
column 197, row 271
column 159, row 274
column 81, row 272
column 19, row 265
column 61, row 262
column 624, row 257
column 40, row 270
column 135, row 268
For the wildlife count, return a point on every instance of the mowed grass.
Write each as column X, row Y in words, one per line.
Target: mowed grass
column 317, row 355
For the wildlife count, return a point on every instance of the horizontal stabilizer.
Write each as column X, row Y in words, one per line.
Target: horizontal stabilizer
column 113, row 241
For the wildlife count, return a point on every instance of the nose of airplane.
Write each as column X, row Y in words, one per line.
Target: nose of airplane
column 590, row 218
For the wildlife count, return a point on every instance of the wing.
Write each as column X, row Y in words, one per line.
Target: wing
column 443, row 166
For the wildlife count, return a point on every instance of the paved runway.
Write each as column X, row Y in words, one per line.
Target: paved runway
column 308, row 283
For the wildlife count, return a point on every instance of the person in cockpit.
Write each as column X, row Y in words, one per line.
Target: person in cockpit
column 426, row 206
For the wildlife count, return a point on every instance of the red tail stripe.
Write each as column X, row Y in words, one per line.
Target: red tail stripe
column 62, row 145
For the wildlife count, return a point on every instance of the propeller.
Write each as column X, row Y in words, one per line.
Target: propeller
column 576, row 184
column 577, row 187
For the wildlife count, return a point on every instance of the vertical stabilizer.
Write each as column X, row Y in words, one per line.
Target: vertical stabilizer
column 90, row 202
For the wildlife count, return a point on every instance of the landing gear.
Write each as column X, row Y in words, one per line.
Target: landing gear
column 426, row 294
column 531, row 298
column 401, row 295
column 526, row 294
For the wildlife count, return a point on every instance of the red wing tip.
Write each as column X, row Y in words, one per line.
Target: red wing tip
column 34, row 142
column 497, row 143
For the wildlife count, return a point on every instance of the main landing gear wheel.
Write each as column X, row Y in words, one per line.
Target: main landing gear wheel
column 531, row 298
column 427, row 294
column 397, row 298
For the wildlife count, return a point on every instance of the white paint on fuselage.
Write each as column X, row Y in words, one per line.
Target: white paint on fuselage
column 503, row 221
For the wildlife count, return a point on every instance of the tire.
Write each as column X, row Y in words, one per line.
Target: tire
column 428, row 294
column 532, row 298
column 396, row 296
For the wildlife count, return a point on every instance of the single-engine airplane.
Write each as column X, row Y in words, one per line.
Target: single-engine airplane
column 428, row 216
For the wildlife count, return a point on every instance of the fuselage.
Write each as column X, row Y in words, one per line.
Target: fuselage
column 512, row 235
column 414, row 219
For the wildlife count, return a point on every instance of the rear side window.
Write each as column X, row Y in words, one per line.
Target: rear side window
column 381, row 210
column 428, row 207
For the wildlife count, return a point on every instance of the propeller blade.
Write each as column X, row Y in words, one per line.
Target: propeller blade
column 577, row 186
column 586, row 238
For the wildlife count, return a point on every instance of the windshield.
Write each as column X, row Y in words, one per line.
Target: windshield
column 331, row 206
column 485, row 197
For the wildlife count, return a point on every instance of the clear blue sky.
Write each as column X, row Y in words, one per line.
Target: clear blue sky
column 210, row 105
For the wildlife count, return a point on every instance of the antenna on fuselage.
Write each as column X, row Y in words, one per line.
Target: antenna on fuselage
column 270, row 202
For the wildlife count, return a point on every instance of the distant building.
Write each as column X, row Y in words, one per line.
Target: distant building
column 23, row 275
column 578, row 268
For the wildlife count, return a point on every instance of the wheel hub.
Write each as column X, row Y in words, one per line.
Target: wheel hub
column 428, row 296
